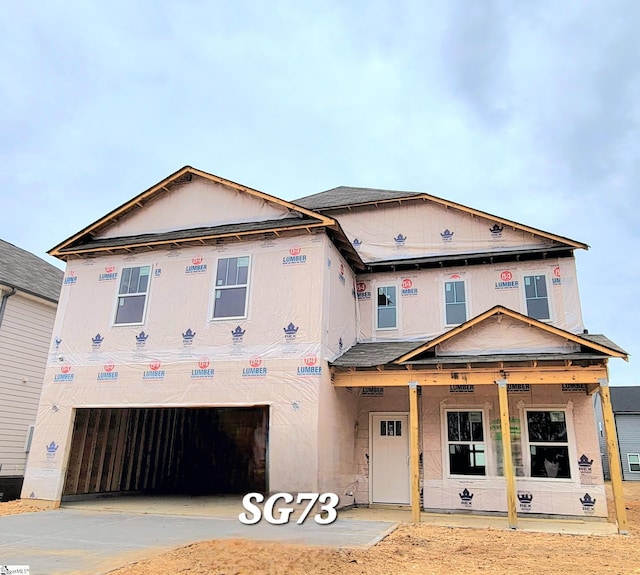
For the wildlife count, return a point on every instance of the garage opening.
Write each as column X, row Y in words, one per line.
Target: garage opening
column 175, row 450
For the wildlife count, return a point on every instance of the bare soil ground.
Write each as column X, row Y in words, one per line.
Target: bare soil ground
column 409, row 549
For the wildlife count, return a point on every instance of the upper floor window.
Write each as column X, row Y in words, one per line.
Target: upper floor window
column 455, row 302
column 387, row 312
column 132, row 295
column 535, row 292
column 465, row 440
column 232, row 287
column 634, row 461
column 548, row 444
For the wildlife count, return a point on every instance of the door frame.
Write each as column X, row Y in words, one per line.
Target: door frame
column 371, row 431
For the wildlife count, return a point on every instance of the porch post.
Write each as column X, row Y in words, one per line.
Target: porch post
column 614, row 457
column 414, row 451
column 509, row 473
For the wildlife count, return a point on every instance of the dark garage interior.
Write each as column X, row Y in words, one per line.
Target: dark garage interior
column 168, row 450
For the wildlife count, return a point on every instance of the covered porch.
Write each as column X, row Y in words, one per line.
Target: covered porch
column 528, row 395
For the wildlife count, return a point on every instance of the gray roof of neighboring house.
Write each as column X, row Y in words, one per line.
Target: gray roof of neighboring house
column 625, row 399
column 25, row 271
column 348, row 196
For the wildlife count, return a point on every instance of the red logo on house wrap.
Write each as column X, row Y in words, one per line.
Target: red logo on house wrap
column 406, row 283
column 72, row 273
column 110, row 269
column 454, row 277
column 310, row 360
column 556, row 271
column 295, row 251
column 506, row 276
column 196, row 261
column 154, row 365
column 255, row 362
column 65, row 369
column 203, row 363
column 108, row 367
column 361, row 286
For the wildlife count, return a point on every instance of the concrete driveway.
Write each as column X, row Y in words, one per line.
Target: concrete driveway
column 70, row 540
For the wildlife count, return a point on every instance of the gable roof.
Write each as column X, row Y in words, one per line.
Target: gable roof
column 349, row 197
column 625, row 399
column 607, row 349
column 85, row 237
column 27, row 272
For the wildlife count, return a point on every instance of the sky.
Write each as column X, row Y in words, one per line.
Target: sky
column 527, row 110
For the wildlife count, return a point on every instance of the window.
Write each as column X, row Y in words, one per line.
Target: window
column 232, row 282
column 387, row 317
column 132, row 295
column 455, row 302
column 535, row 292
column 548, row 444
column 634, row 461
column 465, row 439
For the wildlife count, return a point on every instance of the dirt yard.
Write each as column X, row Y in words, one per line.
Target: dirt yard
column 409, row 549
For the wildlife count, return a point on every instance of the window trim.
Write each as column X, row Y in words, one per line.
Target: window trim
column 212, row 306
column 467, row 301
column 118, row 295
column 546, row 274
column 635, row 463
column 526, row 460
column 375, row 306
column 446, row 464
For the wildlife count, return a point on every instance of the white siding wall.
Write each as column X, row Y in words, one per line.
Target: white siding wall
column 24, row 340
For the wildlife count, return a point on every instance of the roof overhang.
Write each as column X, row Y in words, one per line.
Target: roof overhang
column 605, row 350
column 182, row 176
column 472, row 211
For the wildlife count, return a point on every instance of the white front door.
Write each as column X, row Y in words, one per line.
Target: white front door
column 389, row 461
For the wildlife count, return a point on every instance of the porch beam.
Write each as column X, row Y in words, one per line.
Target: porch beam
column 614, row 457
column 441, row 377
column 509, row 472
column 414, row 451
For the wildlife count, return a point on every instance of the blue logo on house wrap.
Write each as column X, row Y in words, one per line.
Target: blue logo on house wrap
column 584, row 464
column 71, row 278
column 108, row 374
column 197, row 266
column 357, row 243
column 110, row 274
column 96, row 341
column 141, row 339
column 51, row 449
column 400, row 240
column 290, row 332
column 65, row 375
column 187, row 337
column 203, row 371
column 588, row 504
column 496, row 231
column 237, row 334
column 295, row 257
column 525, row 498
column 466, row 497
column 447, row 235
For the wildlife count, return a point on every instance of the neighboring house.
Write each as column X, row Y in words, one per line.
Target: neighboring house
column 391, row 347
column 625, row 402
column 29, row 290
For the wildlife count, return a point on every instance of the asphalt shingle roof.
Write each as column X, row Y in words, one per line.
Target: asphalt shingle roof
column 191, row 233
column 348, row 196
column 625, row 399
column 377, row 353
column 27, row 272
column 602, row 340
